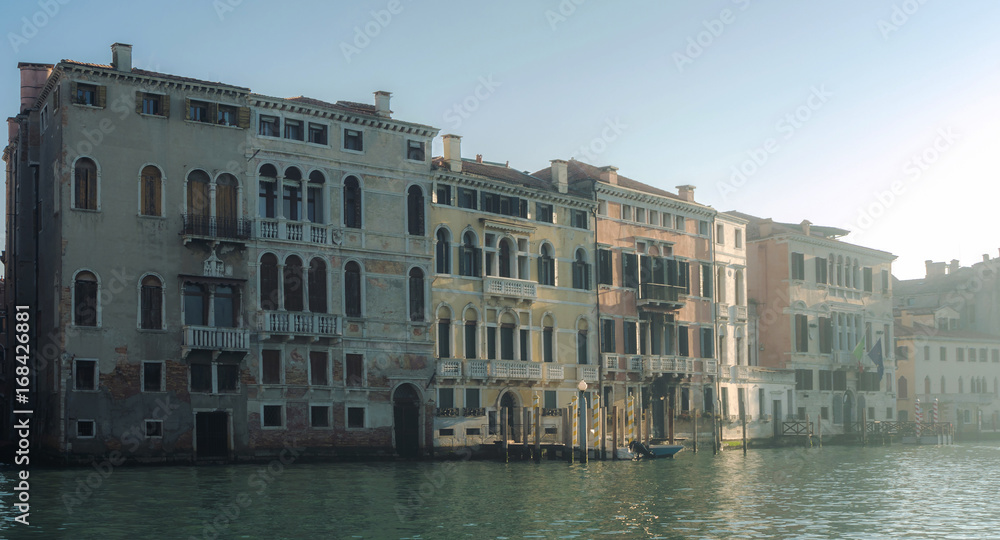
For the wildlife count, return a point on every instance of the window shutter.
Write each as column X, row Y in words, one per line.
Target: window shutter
column 138, row 102
column 165, row 106
column 213, row 113
column 243, row 118
column 72, row 92
column 477, row 258
column 102, row 96
column 187, row 108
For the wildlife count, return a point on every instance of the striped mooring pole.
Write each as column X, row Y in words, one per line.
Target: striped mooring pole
column 918, row 415
column 576, row 422
column 630, row 419
column 595, row 421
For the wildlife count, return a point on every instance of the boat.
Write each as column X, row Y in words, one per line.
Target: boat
column 655, row 451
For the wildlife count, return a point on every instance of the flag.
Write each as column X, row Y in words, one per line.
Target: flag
column 859, row 349
column 876, row 355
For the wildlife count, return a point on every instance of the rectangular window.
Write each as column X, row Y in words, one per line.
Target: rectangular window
column 839, row 381
column 271, row 366
column 446, row 398
column 506, row 342
column 152, row 376
column 470, row 339
column 354, row 370
column 982, row 354
column 626, row 212
column 681, row 223
column 268, row 126
column 801, row 333
column 959, row 354
column 524, row 343
column 86, row 94
column 319, row 374
column 803, row 379
column 198, row 111
column 353, row 140
column 867, row 279
column 703, row 228
column 227, row 377
column 319, row 416
column 607, row 335
column 604, row 268
column 738, row 237
column 272, row 416
column 491, row 342
column 543, row 212
column 415, row 150
column 825, row 335
column 444, row 338
column 548, row 343
column 798, row 266
column 443, row 195
column 472, row 400
column 825, row 379
column 293, row 130
column 972, row 354
column 355, row 417
column 317, row 133
column 706, row 280
column 720, row 234
column 682, row 340
column 995, row 355
column 152, row 104
column 927, row 353
column 821, row 269
column 885, row 282
column 640, row 215
column 707, row 341
column 201, row 378
column 467, row 198
column 154, row 429
column 582, row 353
column 578, row 219
column 630, row 270
column 550, row 400
column 84, row 429
column 943, row 354
column 631, row 343
column 226, row 115
column 86, row 374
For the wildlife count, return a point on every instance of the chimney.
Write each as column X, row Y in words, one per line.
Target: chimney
column 479, row 158
column 986, row 257
column 806, row 226
column 765, row 227
column 686, row 192
column 934, row 269
column 33, row 77
column 453, row 152
column 121, row 57
column 609, row 174
column 382, row 104
column 953, row 266
column 560, row 175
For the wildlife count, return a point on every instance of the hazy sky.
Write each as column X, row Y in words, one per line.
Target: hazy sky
column 878, row 116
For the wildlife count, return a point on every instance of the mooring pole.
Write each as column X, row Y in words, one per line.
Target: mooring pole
column 670, row 424
column 743, row 420
column 538, row 434
column 694, row 422
column 503, row 433
column 614, row 433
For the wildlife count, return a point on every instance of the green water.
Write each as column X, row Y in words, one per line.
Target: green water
column 833, row 492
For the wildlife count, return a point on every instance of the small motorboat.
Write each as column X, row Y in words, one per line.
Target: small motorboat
column 637, row 450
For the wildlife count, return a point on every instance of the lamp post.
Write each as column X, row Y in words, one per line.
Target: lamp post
column 582, row 387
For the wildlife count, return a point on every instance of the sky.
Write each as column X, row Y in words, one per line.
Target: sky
column 881, row 117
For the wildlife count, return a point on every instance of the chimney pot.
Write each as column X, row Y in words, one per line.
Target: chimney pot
column 479, row 158
column 806, row 226
column 686, row 192
column 953, row 266
column 121, row 57
column 609, row 174
column 382, row 104
column 453, row 152
column 560, row 175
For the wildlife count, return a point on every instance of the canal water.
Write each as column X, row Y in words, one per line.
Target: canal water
column 832, row 492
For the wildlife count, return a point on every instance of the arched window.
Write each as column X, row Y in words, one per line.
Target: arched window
column 317, row 286
column 352, row 289
column 720, row 284
column 85, row 184
column 471, row 333
column 198, row 196
column 151, row 303
column 150, row 198
column 85, row 299
column 226, row 211
column 901, row 388
column 581, row 270
column 416, row 294
column 293, row 173
column 508, row 327
column 269, row 282
column 505, row 258
column 444, row 332
column 927, row 385
column 469, row 256
column 546, row 266
column 195, row 305
column 961, row 386
column 840, row 271
column 226, row 306
column 268, row 194
column 442, row 252
column 582, row 353
column 314, row 197
column 291, row 194
column 740, row 301
column 415, row 211
column 548, row 340
column 292, row 284
column 352, row 203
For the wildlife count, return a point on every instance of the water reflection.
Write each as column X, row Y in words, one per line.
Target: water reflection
column 833, row 492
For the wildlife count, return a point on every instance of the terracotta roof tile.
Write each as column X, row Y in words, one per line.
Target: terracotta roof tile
column 578, row 170
column 146, row 73
column 932, row 332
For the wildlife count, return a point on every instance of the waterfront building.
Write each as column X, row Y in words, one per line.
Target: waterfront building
column 655, row 280
column 816, row 298
column 948, row 344
column 215, row 274
column 513, row 300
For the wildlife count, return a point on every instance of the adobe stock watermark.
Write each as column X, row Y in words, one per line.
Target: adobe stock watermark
column 435, row 480
column 900, row 15
column 913, row 169
column 222, row 7
column 47, row 10
column 364, row 34
column 613, row 128
column 714, row 28
column 566, row 9
column 463, row 109
column 787, row 126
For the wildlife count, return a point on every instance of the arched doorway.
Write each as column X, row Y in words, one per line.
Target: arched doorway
column 406, row 420
column 848, row 411
column 508, row 402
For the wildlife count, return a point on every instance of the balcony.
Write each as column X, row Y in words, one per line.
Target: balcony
column 314, row 325
column 761, row 375
column 610, row 361
column 843, row 358
column 710, row 367
column 741, row 313
column 662, row 365
column 449, row 369
column 298, row 231
column 554, row 372
column 722, row 310
column 509, row 288
column 215, row 228
column 515, row 370
column 660, row 296
column 588, row 373
column 215, row 339
column 635, row 363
